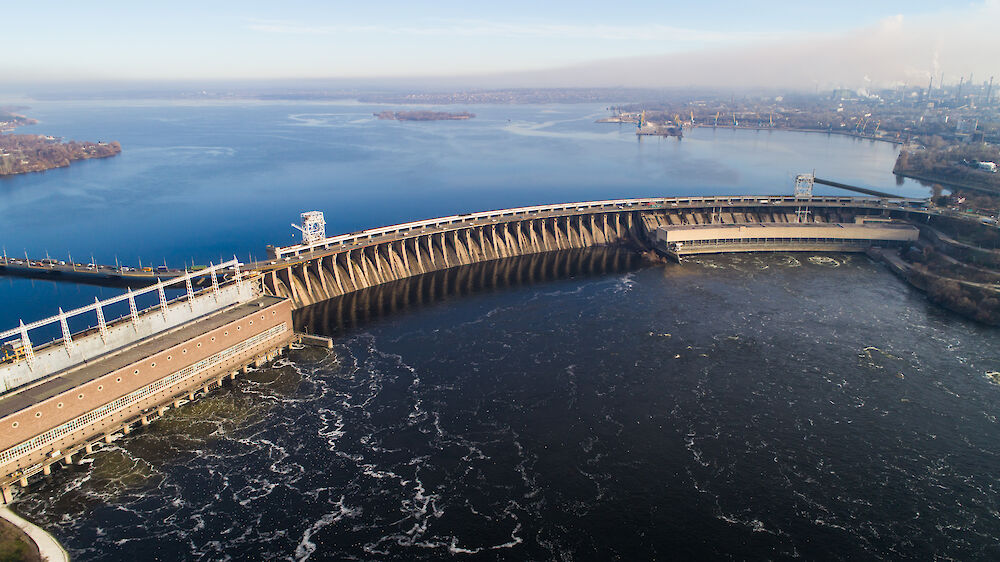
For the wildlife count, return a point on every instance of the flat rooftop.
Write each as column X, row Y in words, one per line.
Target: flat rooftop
column 75, row 376
column 697, row 233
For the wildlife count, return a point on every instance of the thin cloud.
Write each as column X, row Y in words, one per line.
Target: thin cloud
column 483, row 28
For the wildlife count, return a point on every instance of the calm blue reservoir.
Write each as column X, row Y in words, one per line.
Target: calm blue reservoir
column 200, row 182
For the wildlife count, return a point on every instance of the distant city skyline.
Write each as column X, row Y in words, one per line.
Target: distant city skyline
column 550, row 44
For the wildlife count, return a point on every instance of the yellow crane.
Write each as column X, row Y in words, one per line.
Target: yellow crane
column 692, row 117
column 12, row 352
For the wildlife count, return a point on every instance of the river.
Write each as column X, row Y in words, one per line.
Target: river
column 578, row 405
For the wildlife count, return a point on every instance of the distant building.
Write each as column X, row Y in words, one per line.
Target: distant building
column 988, row 166
column 842, row 94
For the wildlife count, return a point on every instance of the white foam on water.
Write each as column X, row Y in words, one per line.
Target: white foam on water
column 824, row 260
column 306, row 547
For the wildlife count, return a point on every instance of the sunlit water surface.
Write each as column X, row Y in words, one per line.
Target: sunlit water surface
column 204, row 181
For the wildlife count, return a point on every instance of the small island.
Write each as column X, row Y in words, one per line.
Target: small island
column 424, row 115
column 20, row 154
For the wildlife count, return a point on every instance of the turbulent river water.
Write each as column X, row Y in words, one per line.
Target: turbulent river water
column 575, row 405
column 743, row 406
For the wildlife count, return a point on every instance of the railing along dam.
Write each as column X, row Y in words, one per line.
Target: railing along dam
column 338, row 265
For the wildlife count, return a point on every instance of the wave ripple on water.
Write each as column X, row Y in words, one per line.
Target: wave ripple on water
column 754, row 407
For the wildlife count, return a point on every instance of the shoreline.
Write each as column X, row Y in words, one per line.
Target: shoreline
column 612, row 121
column 48, row 546
column 795, row 130
column 946, row 183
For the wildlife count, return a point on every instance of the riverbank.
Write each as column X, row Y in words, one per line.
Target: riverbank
column 961, row 166
column 21, row 154
column 37, row 543
column 957, row 276
column 795, row 130
column 15, row 545
column 947, row 183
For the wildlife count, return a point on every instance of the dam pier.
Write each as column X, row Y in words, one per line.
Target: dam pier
column 98, row 380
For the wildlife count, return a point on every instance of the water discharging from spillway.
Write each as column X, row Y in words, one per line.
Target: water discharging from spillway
column 342, row 314
column 736, row 406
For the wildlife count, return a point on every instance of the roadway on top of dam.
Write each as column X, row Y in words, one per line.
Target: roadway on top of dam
column 76, row 375
column 292, row 255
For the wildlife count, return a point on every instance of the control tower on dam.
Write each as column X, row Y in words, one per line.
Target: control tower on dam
column 85, row 388
column 321, row 267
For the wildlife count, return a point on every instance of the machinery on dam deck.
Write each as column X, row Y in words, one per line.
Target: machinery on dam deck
column 89, row 386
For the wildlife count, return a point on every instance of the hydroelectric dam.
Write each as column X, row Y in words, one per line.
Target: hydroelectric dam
column 321, row 268
column 101, row 378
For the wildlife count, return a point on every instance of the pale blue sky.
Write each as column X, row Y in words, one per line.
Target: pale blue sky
column 135, row 40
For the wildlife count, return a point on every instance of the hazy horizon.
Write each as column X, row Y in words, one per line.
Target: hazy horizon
column 775, row 45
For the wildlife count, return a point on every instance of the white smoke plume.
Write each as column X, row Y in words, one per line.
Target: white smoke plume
column 895, row 51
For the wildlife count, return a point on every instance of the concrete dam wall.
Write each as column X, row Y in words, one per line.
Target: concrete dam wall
column 336, row 266
column 324, row 277
column 341, row 314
